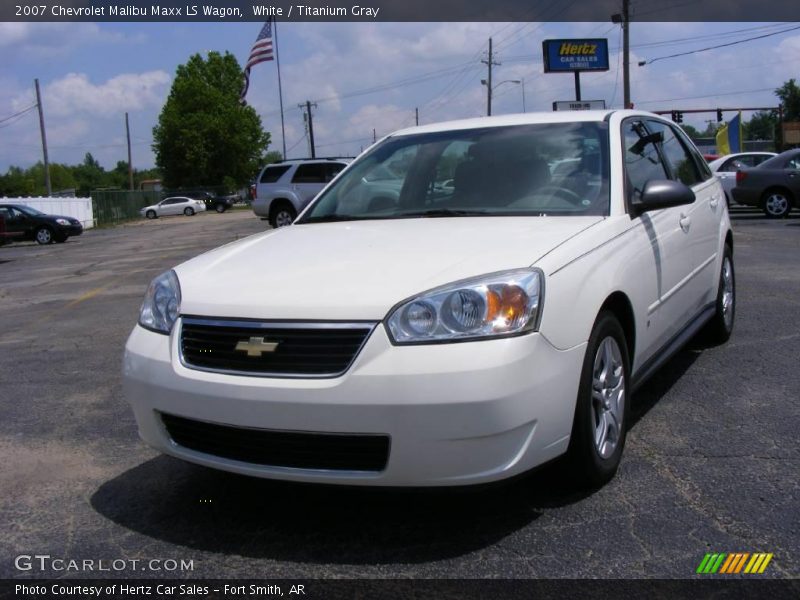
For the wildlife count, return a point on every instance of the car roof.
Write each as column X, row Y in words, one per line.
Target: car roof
column 780, row 158
column 575, row 116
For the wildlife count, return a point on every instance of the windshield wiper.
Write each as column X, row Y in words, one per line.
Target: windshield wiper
column 332, row 219
column 445, row 212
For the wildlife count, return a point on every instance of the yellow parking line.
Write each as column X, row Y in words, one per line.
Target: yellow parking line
column 87, row 296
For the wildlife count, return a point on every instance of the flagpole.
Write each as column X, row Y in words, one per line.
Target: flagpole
column 280, row 90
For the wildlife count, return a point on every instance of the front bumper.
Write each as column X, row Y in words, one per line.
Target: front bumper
column 456, row 414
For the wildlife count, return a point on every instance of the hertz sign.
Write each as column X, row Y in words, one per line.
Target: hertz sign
column 574, row 56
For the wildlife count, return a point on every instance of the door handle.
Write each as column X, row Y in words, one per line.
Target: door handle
column 714, row 202
column 685, row 222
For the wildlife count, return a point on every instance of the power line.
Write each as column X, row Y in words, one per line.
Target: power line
column 18, row 114
column 739, row 93
column 758, row 37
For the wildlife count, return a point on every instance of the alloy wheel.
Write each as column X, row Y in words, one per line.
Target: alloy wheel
column 608, row 397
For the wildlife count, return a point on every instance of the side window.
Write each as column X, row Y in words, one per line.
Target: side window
column 734, row 164
column 794, row 163
column 682, row 164
column 642, row 160
column 310, row 173
column 759, row 158
column 272, row 174
column 332, row 170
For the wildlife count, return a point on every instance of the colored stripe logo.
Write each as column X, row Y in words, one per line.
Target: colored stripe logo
column 734, row 563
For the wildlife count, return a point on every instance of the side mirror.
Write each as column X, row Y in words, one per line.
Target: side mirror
column 663, row 193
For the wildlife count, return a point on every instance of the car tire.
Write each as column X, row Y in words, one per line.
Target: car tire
column 188, row 211
column 220, row 208
column 719, row 328
column 281, row 215
column 151, row 214
column 44, row 236
column 776, row 203
column 601, row 413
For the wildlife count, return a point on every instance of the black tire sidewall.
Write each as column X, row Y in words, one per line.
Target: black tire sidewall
column 188, row 212
column 717, row 331
column 151, row 214
column 591, row 468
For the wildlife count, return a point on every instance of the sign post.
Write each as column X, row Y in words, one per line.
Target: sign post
column 575, row 56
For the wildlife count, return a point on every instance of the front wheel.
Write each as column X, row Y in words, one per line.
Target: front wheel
column 220, row 208
column 150, row 214
column 188, row 211
column 44, row 236
column 776, row 204
column 601, row 414
column 720, row 326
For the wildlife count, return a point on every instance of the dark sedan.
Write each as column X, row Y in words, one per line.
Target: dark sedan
column 31, row 224
column 773, row 186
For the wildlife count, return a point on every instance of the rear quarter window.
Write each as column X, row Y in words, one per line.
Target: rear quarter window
column 272, row 174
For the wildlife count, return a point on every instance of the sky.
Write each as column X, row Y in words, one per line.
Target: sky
column 92, row 73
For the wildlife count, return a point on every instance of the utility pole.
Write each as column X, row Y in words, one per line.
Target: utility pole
column 523, row 95
column 374, row 137
column 626, row 57
column 489, row 64
column 416, row 115
column 307, row 107
column 624, row 20
column 44, row 140
column 130, row 164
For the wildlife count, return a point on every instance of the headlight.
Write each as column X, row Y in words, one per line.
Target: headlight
column 162, row 303
column 62, row 222
column 489, row 306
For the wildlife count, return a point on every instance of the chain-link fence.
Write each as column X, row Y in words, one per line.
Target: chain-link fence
column 116, row 206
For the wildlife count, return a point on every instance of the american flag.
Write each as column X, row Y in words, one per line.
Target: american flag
column 260, row 52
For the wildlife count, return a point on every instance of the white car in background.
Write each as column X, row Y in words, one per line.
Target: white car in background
column 485, row 320
column 176, row 205
column 725, row 167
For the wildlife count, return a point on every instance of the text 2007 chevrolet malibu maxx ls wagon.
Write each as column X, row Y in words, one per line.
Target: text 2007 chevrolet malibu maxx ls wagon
column 464, row 302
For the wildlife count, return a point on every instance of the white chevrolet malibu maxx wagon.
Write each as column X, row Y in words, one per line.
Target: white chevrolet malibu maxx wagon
column 452, row 309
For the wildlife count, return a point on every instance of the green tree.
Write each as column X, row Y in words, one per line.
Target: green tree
column 691, row 131
column 204, row 134
column 789, row 95
column 761, row 126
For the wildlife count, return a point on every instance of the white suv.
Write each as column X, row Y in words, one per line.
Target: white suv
column 285, row 188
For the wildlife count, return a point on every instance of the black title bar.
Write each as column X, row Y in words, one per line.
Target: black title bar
column 393, row 10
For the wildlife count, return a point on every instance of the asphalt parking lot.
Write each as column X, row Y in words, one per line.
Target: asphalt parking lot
column 712, row 462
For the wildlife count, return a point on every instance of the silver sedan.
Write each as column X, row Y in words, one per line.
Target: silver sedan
column 175, row 205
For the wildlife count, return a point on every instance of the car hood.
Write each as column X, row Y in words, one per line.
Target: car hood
column 360, row 269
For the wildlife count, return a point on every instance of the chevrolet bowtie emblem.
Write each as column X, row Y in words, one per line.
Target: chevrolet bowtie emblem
column 256, row 346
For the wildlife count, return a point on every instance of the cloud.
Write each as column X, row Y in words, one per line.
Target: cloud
column 38, row 41
column 75, row 94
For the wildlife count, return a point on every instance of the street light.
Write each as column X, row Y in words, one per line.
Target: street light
column 494, row 87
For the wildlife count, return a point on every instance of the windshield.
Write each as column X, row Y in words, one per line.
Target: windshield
column 527, row 170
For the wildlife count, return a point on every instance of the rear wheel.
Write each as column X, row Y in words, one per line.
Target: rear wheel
column 188, row 211
column 281, row 215
column 601, row 414
column 44, row 235
column 776, row 204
